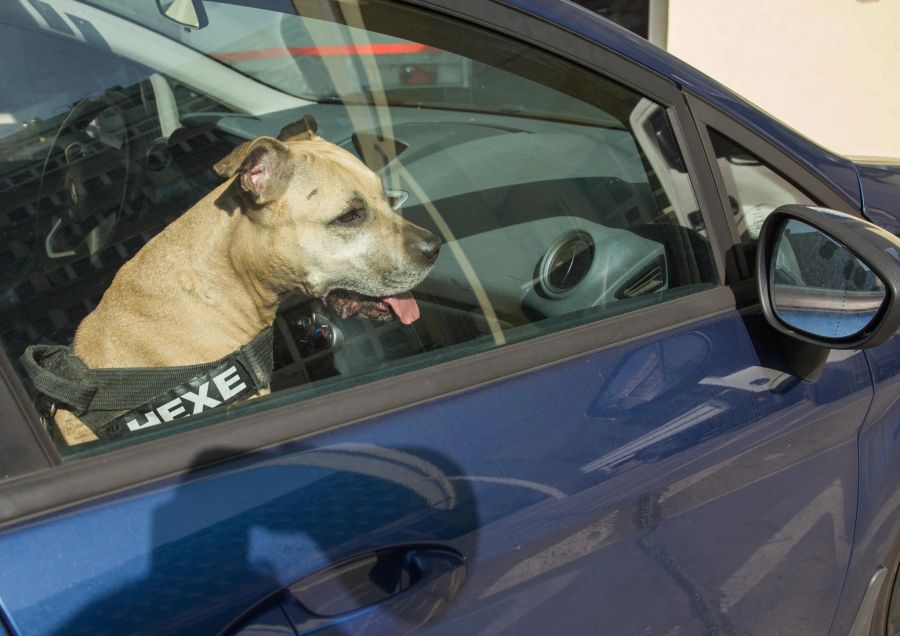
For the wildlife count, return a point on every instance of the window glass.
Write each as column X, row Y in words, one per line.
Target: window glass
column 754, row 188
column 435, row 192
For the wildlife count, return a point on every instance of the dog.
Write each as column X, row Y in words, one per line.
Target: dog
column 296, row 215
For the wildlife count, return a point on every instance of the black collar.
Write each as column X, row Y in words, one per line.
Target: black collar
column 113, row 402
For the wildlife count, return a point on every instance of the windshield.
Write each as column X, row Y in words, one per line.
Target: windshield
column 287, row 51
column 313, row 54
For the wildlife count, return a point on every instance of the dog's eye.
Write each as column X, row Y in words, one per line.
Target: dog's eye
column 352, row 217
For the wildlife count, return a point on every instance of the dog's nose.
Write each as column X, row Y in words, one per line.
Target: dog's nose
column 421, row 245
column 430, row 248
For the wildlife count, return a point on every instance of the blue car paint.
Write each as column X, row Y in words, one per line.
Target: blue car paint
column 834, row 169
column 674, row 473
column 879, row 467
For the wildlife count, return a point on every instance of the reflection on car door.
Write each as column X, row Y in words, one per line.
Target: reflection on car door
column 685, row 480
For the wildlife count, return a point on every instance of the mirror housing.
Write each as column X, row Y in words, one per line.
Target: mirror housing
column 187, row 13
column 827, row 278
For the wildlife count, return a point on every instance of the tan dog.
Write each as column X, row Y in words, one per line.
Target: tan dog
column 299, row 215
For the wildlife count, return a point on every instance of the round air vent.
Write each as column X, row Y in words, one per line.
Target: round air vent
column 566, row 263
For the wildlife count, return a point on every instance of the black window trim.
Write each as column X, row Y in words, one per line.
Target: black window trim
column 25, row 447
column 52, row 484
column 708, row 116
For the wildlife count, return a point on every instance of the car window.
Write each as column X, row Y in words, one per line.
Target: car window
column 754, row 188
column 295, row 203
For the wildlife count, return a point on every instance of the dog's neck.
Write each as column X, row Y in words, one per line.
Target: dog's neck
column 183, row 299
column 231, row 283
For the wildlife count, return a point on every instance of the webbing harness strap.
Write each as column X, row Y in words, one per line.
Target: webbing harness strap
column 115, row 401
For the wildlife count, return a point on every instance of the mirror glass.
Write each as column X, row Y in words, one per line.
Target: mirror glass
column 819, row 286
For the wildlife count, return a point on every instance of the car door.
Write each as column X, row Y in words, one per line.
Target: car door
column 590, row 429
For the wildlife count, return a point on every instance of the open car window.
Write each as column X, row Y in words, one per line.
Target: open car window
column 557, row 197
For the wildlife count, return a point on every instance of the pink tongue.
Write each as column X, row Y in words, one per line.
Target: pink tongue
column 404, row 306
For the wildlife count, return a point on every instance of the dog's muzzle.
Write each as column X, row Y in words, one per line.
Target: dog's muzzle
column 424, row 245
column 346, row 303
column 423, row 248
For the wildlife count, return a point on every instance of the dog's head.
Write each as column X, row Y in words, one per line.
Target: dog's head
column 321, row 224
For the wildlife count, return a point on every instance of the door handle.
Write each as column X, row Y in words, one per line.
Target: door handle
column 388, row 591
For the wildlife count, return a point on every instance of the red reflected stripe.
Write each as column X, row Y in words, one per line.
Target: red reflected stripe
column 324, row 51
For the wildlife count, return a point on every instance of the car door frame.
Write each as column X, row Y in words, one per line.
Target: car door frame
column 707, row 116
column 815, row 185
column 45, row 483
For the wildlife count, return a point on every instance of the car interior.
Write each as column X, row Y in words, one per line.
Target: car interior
column 552, row 210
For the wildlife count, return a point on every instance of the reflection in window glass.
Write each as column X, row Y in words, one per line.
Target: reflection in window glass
column 754, row 189
column 557, row 197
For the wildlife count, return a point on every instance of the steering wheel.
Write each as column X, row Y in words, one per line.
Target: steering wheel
column 89, row 167
column 90, row 153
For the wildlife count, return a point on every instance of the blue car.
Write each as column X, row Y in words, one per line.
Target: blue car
column 653, row 386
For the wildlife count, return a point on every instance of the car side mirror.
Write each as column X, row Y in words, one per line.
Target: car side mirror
column 187, row 13
column 827, row 278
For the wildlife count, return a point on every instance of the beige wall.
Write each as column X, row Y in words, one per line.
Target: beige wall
column 828, row 68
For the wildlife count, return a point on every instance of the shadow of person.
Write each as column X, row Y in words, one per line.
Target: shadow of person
column 230, row 538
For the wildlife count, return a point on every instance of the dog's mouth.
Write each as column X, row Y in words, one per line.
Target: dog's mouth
column 346, row 303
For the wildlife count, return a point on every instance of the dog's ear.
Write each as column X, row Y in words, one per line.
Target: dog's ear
column 264, row 166
column 301, row 130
